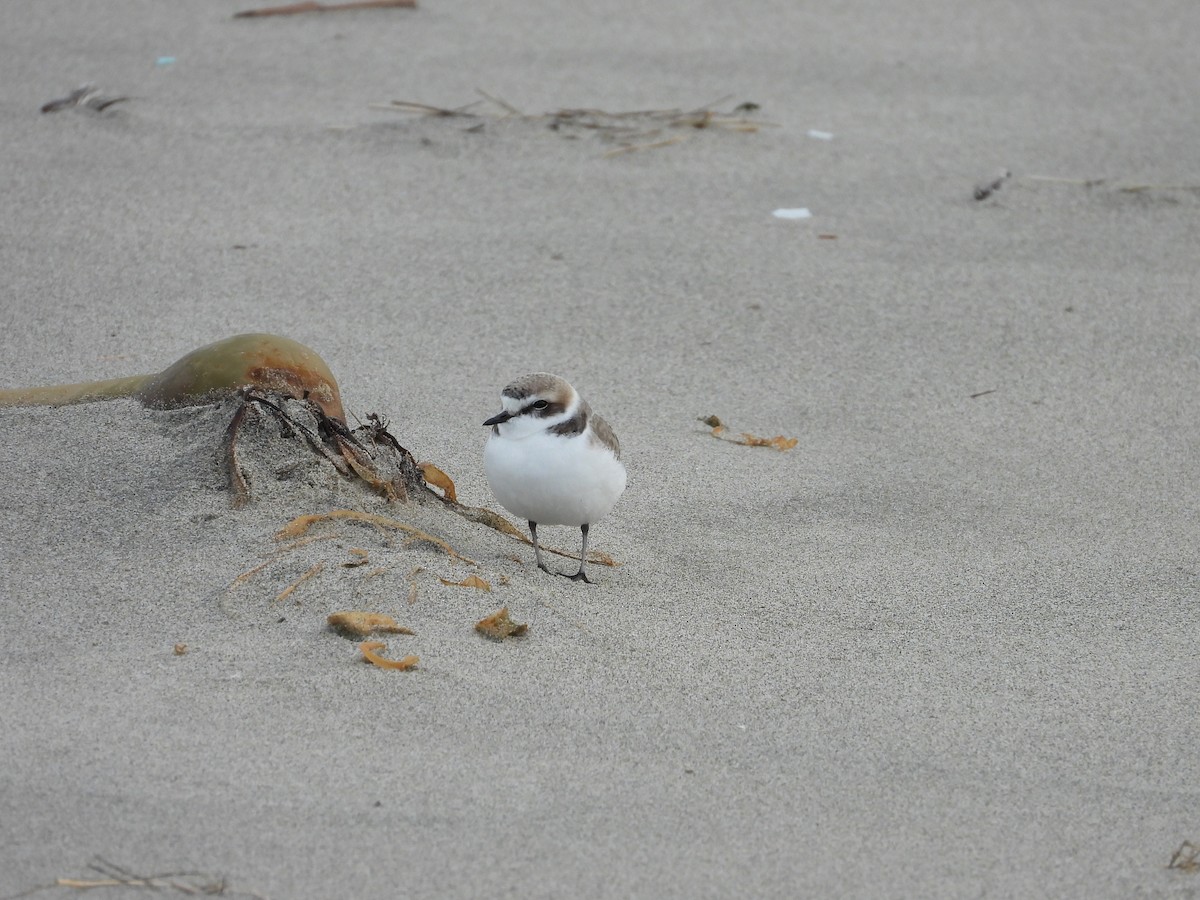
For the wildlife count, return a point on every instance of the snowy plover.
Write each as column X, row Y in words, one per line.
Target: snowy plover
column 551, row 460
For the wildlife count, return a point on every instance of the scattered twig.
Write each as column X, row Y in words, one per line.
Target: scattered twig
column 503, row 104
column 628, row 122
column 426, row 109
column 87, row 96
column 293, row 8
column 1082, row 182
column 1138, row 188
column 635, row 128
column 985, row 190
column 979, row 394
column 113, row 875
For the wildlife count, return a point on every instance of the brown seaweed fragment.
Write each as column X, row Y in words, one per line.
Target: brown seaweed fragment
column 471, row 581
column 435, row 477
column 361, row 624
column 721, row 430
column 368, row 648
column 1186, row 858
column 312, row 572
column 499, row 626
column 299, row 525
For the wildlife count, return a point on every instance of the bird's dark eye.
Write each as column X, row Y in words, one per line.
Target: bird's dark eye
column 541, row 404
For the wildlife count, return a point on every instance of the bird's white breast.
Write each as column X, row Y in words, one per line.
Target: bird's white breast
column 553, row 480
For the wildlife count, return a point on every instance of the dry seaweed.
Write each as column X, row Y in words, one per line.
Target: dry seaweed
column 428, row 110
column 435, row 477
column 362, row 624
column 112, row 875
column 1186, row 858
column 250, row 573
column 369, row 453
column 368, row 648
column 720, row 430
column 499, row 626
column 633, row 130
column 471, row 581
column 312, row 572
column 299, row 525
column 491, row 519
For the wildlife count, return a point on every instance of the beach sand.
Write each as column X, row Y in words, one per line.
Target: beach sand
column 945, row 647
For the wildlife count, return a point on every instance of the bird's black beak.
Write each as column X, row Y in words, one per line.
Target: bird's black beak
column 498, row 418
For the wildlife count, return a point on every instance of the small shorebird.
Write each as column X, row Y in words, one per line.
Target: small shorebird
column 550, row 460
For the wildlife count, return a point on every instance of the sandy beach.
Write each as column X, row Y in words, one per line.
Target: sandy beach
column 946, row 646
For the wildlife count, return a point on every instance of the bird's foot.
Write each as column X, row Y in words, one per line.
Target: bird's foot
column 578, row 576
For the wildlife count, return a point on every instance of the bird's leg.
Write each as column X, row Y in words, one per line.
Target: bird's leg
column 580, row 575
column 537, row 552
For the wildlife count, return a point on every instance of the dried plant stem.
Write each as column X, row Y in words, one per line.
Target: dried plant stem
column 299, row 525
column 292, row 9
column 632, row 148
column 313, row 571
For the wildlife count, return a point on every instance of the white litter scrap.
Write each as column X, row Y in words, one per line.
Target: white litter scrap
column 820, row 135
column 802, row 212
